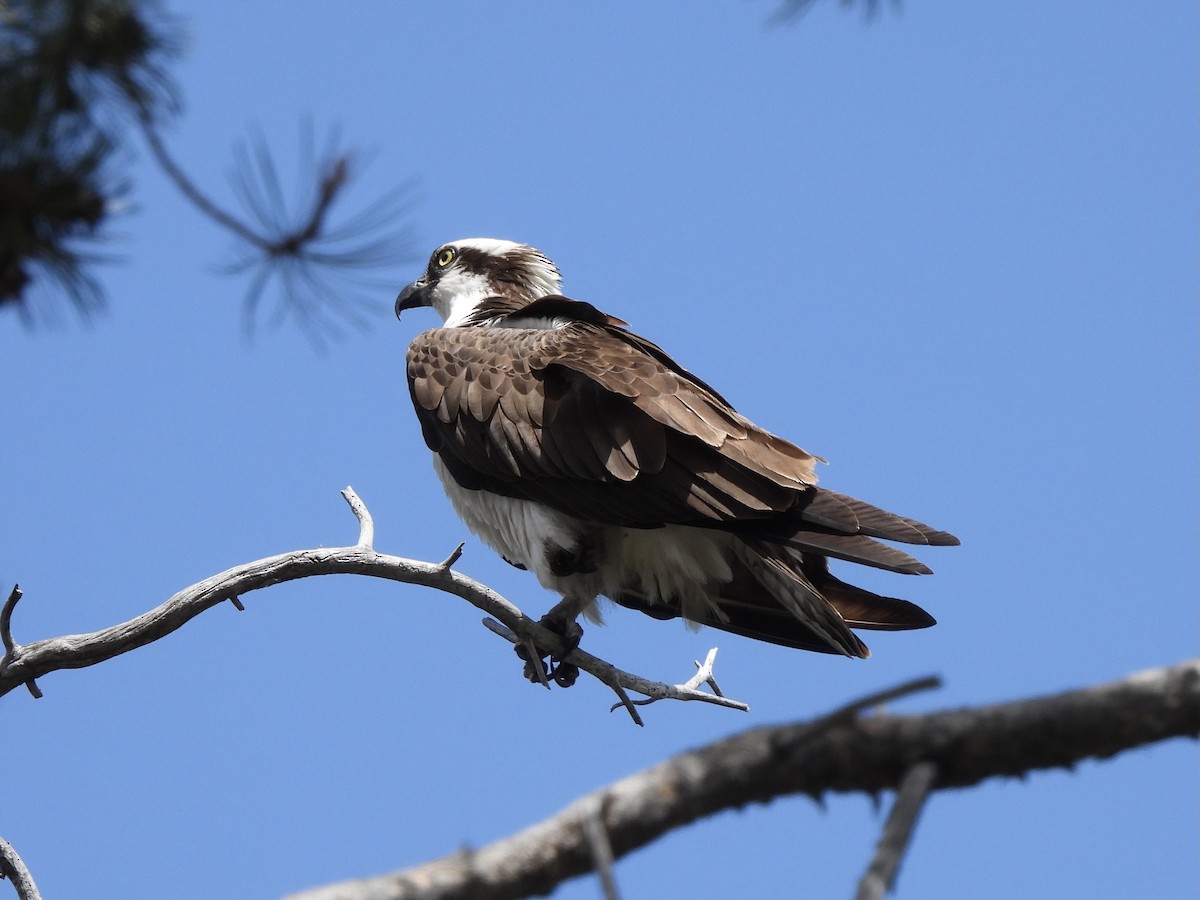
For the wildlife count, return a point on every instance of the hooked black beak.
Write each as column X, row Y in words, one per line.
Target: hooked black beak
column 416, row 294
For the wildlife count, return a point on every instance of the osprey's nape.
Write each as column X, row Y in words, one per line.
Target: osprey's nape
column 582, row 452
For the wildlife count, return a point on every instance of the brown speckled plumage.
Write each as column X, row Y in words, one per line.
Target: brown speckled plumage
column 581, row 415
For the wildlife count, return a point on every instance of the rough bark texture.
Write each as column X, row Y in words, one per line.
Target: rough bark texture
column 12, row 868
column 869, row 754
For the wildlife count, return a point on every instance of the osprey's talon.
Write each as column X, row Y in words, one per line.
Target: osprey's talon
column 565, row 673
column 535, row 668
column 535, row 673
column 568, row 629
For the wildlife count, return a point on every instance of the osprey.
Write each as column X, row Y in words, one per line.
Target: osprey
column 582, row 452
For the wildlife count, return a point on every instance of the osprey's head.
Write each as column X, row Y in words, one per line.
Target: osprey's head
column 461, row 274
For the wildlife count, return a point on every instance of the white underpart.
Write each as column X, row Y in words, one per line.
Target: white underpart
column 673, row 562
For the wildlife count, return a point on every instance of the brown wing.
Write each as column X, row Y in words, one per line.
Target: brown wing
column 580, row 404
column 601, row 424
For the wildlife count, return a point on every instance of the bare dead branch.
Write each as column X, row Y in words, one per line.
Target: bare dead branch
column 869, row 754
column 705, row 674
column 629, row 705
column 6, row 618
column 652, row 690
column 14, row 869
column 22, row 663
column 689, row 690
column 6, row 638
column 551, row 642
column 366, row 524
column 852, row 709
column 897, row 832
column 455, row 555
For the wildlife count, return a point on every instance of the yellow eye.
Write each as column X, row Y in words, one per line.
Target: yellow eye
column 444, row 257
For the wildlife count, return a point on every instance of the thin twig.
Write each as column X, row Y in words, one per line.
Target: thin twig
column 499, row 628
column 630, row 705
column 13, row 868
column 689, row 690
column 6, row 618
column 852, row 709
column 597, row 839
column 914, row 788
column 455, row 555
column 10, row 646
column 610, row 675
column 711, row 680
column 366, row 524
column 704, row 672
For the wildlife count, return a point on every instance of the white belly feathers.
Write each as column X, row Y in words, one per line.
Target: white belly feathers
column 673, row 563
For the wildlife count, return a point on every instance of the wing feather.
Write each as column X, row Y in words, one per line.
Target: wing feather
column 452, row 398
column 515, row 419
column 612, row 430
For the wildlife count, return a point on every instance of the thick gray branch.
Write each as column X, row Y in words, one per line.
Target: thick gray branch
column 870, row 754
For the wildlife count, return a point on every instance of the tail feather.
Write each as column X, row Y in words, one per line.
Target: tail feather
column 843, row 527
column 857, row 548
column 849, row 515
column 859, row 607
column 787, row 586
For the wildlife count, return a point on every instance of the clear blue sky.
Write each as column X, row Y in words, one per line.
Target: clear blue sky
column 953, row 250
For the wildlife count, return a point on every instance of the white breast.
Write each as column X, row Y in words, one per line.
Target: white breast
column 516, row 529
column 677, row 563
